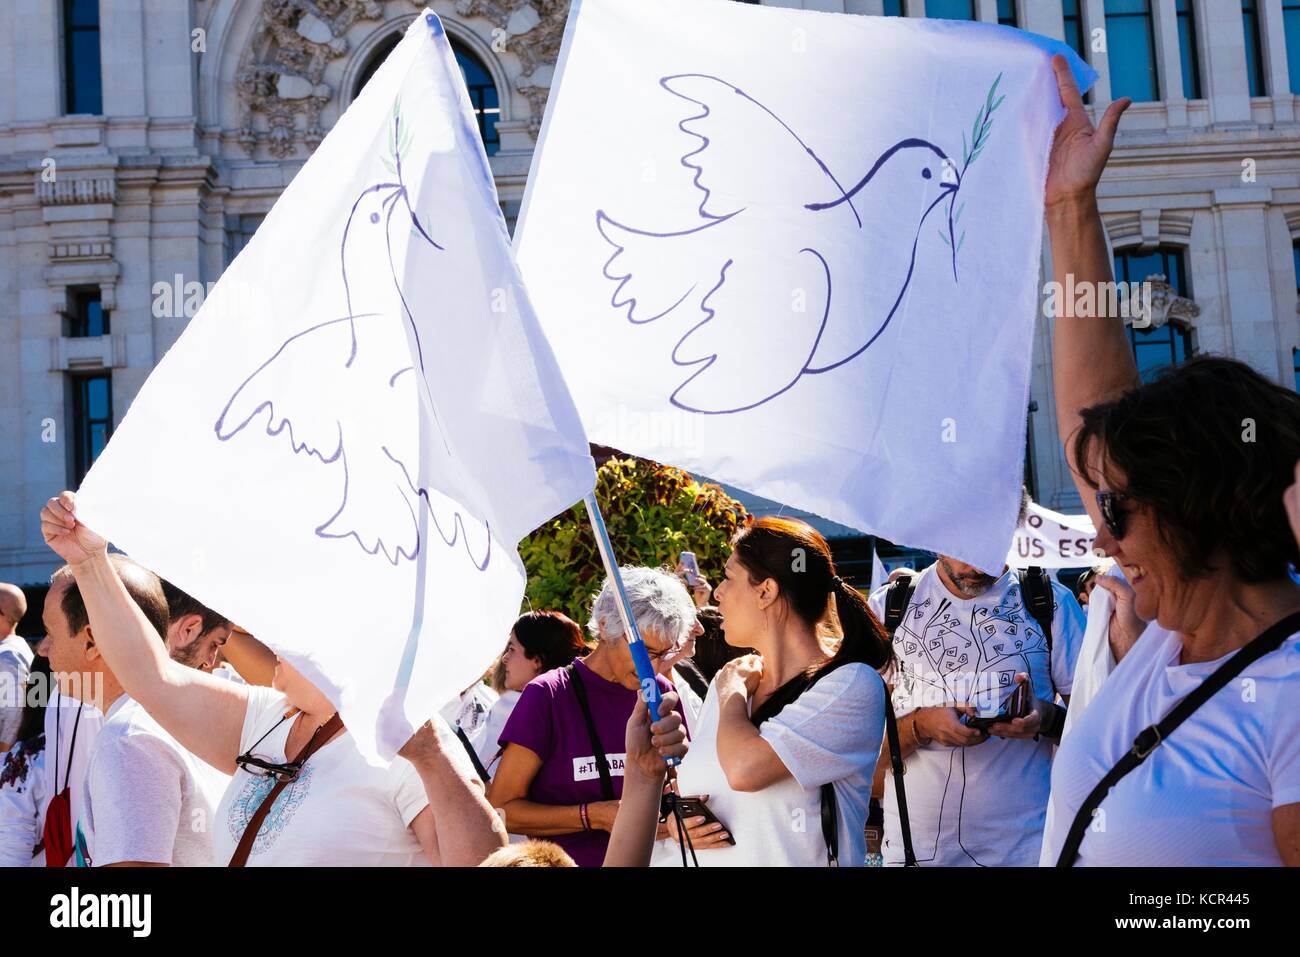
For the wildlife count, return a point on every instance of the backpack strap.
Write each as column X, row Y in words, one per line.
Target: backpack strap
column 1040, row 601
column 473, row 755
column 602, row 763
column 896, row 600
column 1151, row 737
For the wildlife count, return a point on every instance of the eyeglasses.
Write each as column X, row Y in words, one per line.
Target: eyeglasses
column 260, row 768
column 1111, row 513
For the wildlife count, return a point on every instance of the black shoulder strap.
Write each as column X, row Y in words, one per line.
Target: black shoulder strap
column 896, row 599
column 602, row 763
column 473, row 755
column 1150, row 738
column 692, row 676
column 1036, row 592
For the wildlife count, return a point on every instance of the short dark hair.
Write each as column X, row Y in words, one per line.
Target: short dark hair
column 550, row 637
column 1181, row 442
column 144, row 587
column 180, row 604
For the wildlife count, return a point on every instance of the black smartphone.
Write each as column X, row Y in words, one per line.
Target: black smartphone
column 1017, row 705
column 695, row 807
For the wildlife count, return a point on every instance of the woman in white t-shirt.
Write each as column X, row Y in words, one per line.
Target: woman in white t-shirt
column 539, row 641
column 427, row 807
column 1189, row 504
column 806, row 711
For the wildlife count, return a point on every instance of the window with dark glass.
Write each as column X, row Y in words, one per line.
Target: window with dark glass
column 1254, row 48
column 1291, row 30
column 1074, row 33
column 1131, row 50
column 1187, row 52
column 88, row 317
column 482, row 91
column 1295, row 367
column 950, row 9
column 81, row 73
column 893, row 8
column 1007, row 12
column 92, row 421
column 482, row 95
column 1171, row 344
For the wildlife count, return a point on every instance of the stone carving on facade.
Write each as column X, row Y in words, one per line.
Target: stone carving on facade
column 532, row 30
column 1167, row 305
column 281, row 73
column 65, row 190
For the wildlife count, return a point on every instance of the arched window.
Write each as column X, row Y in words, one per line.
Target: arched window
column 1131, row 50
column 482, row 91
column 1171, row 344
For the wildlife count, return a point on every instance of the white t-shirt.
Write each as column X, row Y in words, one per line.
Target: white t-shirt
column 22, row 802
column 71, row 729
column 470, row 709
column 830, row 734
column 982, row 804
column 485, row 737
column 340, row 811
column 146, row 798
column 15, row 665
column 1205, row 796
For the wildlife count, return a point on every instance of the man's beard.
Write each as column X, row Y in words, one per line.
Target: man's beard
column 971, row 585
column 189, row 655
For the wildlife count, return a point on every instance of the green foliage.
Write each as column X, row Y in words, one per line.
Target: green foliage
column 653, row 513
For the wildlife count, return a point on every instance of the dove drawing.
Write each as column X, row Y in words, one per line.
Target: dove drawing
column 773, row 218
column 344, row 391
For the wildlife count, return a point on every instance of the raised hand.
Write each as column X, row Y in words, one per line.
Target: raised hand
column 1079, row 151
column 67, row 537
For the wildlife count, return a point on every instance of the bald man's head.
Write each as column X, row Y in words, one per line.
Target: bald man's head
column 13, row 606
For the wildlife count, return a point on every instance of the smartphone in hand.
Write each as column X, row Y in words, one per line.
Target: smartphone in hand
column 691, row 567
column 695, row 807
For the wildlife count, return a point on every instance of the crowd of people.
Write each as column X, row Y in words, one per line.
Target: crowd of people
column 1154, row 728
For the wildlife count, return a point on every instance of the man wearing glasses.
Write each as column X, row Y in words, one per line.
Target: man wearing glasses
column 15, row 663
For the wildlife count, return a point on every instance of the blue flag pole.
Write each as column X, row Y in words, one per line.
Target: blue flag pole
column 640, row 657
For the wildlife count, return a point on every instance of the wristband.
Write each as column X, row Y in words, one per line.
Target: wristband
column 916, row 735
column 586, row 821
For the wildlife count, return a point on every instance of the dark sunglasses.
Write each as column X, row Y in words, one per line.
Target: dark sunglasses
column 1108, row 503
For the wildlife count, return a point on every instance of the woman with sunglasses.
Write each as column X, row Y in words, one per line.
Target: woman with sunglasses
column 1169, row 765
column 561, row 770
column 301, row 792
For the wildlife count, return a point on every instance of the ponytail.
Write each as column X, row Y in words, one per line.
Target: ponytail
column 864, row 638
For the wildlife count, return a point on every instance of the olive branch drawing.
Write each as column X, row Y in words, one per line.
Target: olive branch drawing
column 970, row 151
column 399, row 141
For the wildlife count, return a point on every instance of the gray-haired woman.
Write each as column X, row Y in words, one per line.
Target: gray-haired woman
column 561, row 773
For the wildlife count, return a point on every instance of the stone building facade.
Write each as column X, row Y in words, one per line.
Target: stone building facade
column 123, row 194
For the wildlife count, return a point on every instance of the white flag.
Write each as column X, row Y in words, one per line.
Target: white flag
column 799, row 253
column 343, row 450
column 1051, row 539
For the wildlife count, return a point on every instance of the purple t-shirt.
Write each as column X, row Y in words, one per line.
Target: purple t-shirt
column 548, row 721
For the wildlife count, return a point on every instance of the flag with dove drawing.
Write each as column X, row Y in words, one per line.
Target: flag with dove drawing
column 345, row 446
column 798, row 252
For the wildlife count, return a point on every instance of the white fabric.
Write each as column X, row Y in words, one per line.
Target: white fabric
column 15, row 665
column 1096, row 661
column 1205, row 797
column 692, row 703
column 147, row 798
column 1053, row 540
column 982, row 804
column 831, row 733
column 22, row 808
column 69, row 744
column 470, row 709
column 719, row 301
column 486, row 738
column 340, row 811
column 296, row 396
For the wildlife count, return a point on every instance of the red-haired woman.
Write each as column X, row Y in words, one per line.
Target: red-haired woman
column 789, row 737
